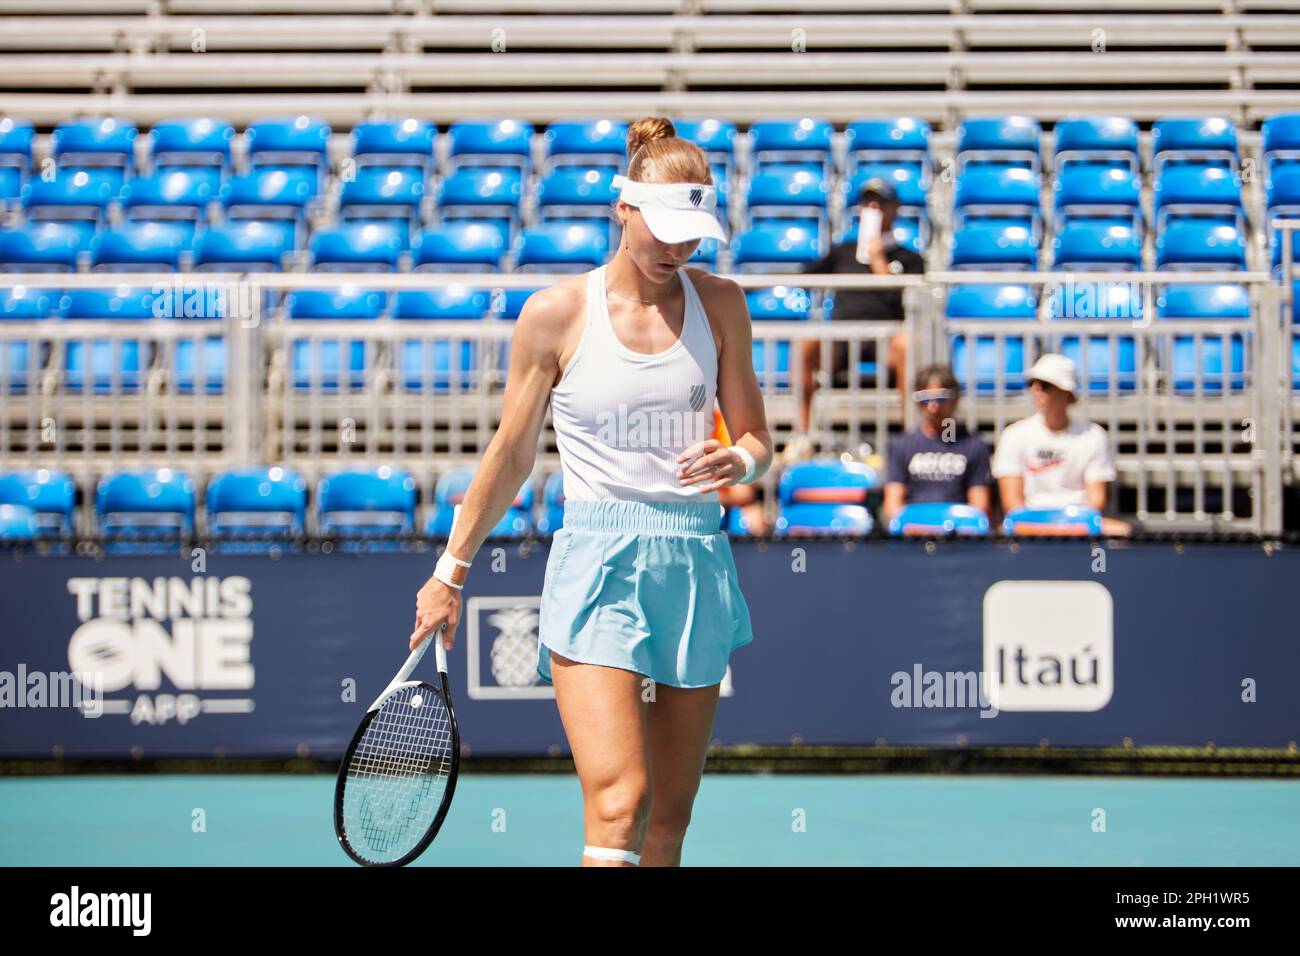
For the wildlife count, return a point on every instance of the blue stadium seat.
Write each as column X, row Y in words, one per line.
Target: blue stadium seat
column 450, row 491
column 1090, row 191
column 265, row 506
column 506, row 304
column 16, row 137
column 17, row 523
column 776, row 247
column 297, row 142
column 242, row 247
column 106, row 145
column 993, row 191
column 384, row 194
column 560, row 247
column 180, row 196
column 772, row 357
column 1013, row 140
column 735, row 522
column 426, row 362
column 43, row 247
column 77, row 197
column 939, row 518
column 1107, row 363
column 117, row 364
column 1191, row 367
column 394, row 143
column 483, row 193
column 983, row 366
column 198, row 365
column 142, row 246
column 317, row 363
column 789, row 193
column 503, row 143
column 197, row 146
column 906, row 181
column 1201, row 140
column 574, row 194
column 462, row 246
column 991, row 301
column 138, row 511
column 897, row 141
column 271, row 196
column 21, row 360
column 1282, row 190
column 825, row 496
column 356, row 247
column 552, row 519
column 994, row 246
column 1070, row 520
column 1191, row 189
column 361, row 506
column 51, row 496
column 802, row 142
column 1281, row 141
column 716, row 137
column 1110, row 141
column 587, row 143
column 1100, row 245
column 1192, row 244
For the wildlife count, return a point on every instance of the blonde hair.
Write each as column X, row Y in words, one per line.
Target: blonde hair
column 656, row 154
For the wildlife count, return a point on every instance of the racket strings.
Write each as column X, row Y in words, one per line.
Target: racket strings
column 398, row 773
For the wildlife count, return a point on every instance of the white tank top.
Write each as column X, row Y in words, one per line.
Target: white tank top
column 621, row 417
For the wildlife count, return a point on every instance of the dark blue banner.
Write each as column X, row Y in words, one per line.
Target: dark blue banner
column 955, row 643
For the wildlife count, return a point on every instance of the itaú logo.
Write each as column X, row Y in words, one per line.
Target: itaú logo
column 170, row 640
column 1049, row 645
column 626, row 427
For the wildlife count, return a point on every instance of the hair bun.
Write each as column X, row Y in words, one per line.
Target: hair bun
column 647, row 130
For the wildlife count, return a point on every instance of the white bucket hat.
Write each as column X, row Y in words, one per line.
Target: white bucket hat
column 1055, row 370
column 674, row 212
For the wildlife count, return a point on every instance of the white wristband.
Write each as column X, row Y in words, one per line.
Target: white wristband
column 451, row 570
column 750, row 464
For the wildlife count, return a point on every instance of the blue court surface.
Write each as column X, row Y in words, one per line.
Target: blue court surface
column 740, row 820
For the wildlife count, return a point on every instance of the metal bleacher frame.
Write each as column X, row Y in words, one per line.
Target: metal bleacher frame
column 315, row 429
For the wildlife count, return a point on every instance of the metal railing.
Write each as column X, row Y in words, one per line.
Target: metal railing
column 1193, row 449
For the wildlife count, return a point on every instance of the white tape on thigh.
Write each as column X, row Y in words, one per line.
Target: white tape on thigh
column 605, row 853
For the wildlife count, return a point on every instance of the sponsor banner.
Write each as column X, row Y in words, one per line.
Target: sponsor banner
column 900, row 643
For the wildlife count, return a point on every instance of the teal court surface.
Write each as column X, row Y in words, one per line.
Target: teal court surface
column 740, row 820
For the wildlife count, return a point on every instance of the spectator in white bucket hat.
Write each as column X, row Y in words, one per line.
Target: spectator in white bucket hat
column 1052, row 459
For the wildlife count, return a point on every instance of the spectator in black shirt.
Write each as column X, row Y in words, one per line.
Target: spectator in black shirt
column 884, row 257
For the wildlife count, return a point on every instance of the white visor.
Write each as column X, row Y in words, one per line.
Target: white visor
column 674, row 212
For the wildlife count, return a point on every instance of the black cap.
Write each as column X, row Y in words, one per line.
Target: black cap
column 878, row 189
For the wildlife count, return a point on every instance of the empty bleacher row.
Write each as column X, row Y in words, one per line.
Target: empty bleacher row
column 374, row 509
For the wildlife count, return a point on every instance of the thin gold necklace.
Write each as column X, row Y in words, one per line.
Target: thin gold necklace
column 629, row 298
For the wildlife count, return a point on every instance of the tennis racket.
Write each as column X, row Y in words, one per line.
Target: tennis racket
column 399, row 773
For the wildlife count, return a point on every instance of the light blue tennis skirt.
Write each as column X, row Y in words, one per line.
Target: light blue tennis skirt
column 645, row 586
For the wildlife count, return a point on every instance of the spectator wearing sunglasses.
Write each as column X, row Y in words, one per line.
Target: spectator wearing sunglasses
column 939, row 460
column 1053, row 459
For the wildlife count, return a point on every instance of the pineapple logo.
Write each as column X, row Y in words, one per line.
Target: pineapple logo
column 514, row 652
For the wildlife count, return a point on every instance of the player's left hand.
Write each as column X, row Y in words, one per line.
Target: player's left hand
column 709, row 465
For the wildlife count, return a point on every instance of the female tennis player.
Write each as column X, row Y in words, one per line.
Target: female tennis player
column 641, row 607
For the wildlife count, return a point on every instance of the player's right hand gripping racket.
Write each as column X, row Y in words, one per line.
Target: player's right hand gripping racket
column 399, row 772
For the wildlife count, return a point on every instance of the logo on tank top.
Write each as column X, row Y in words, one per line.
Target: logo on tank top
column 698, row 394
